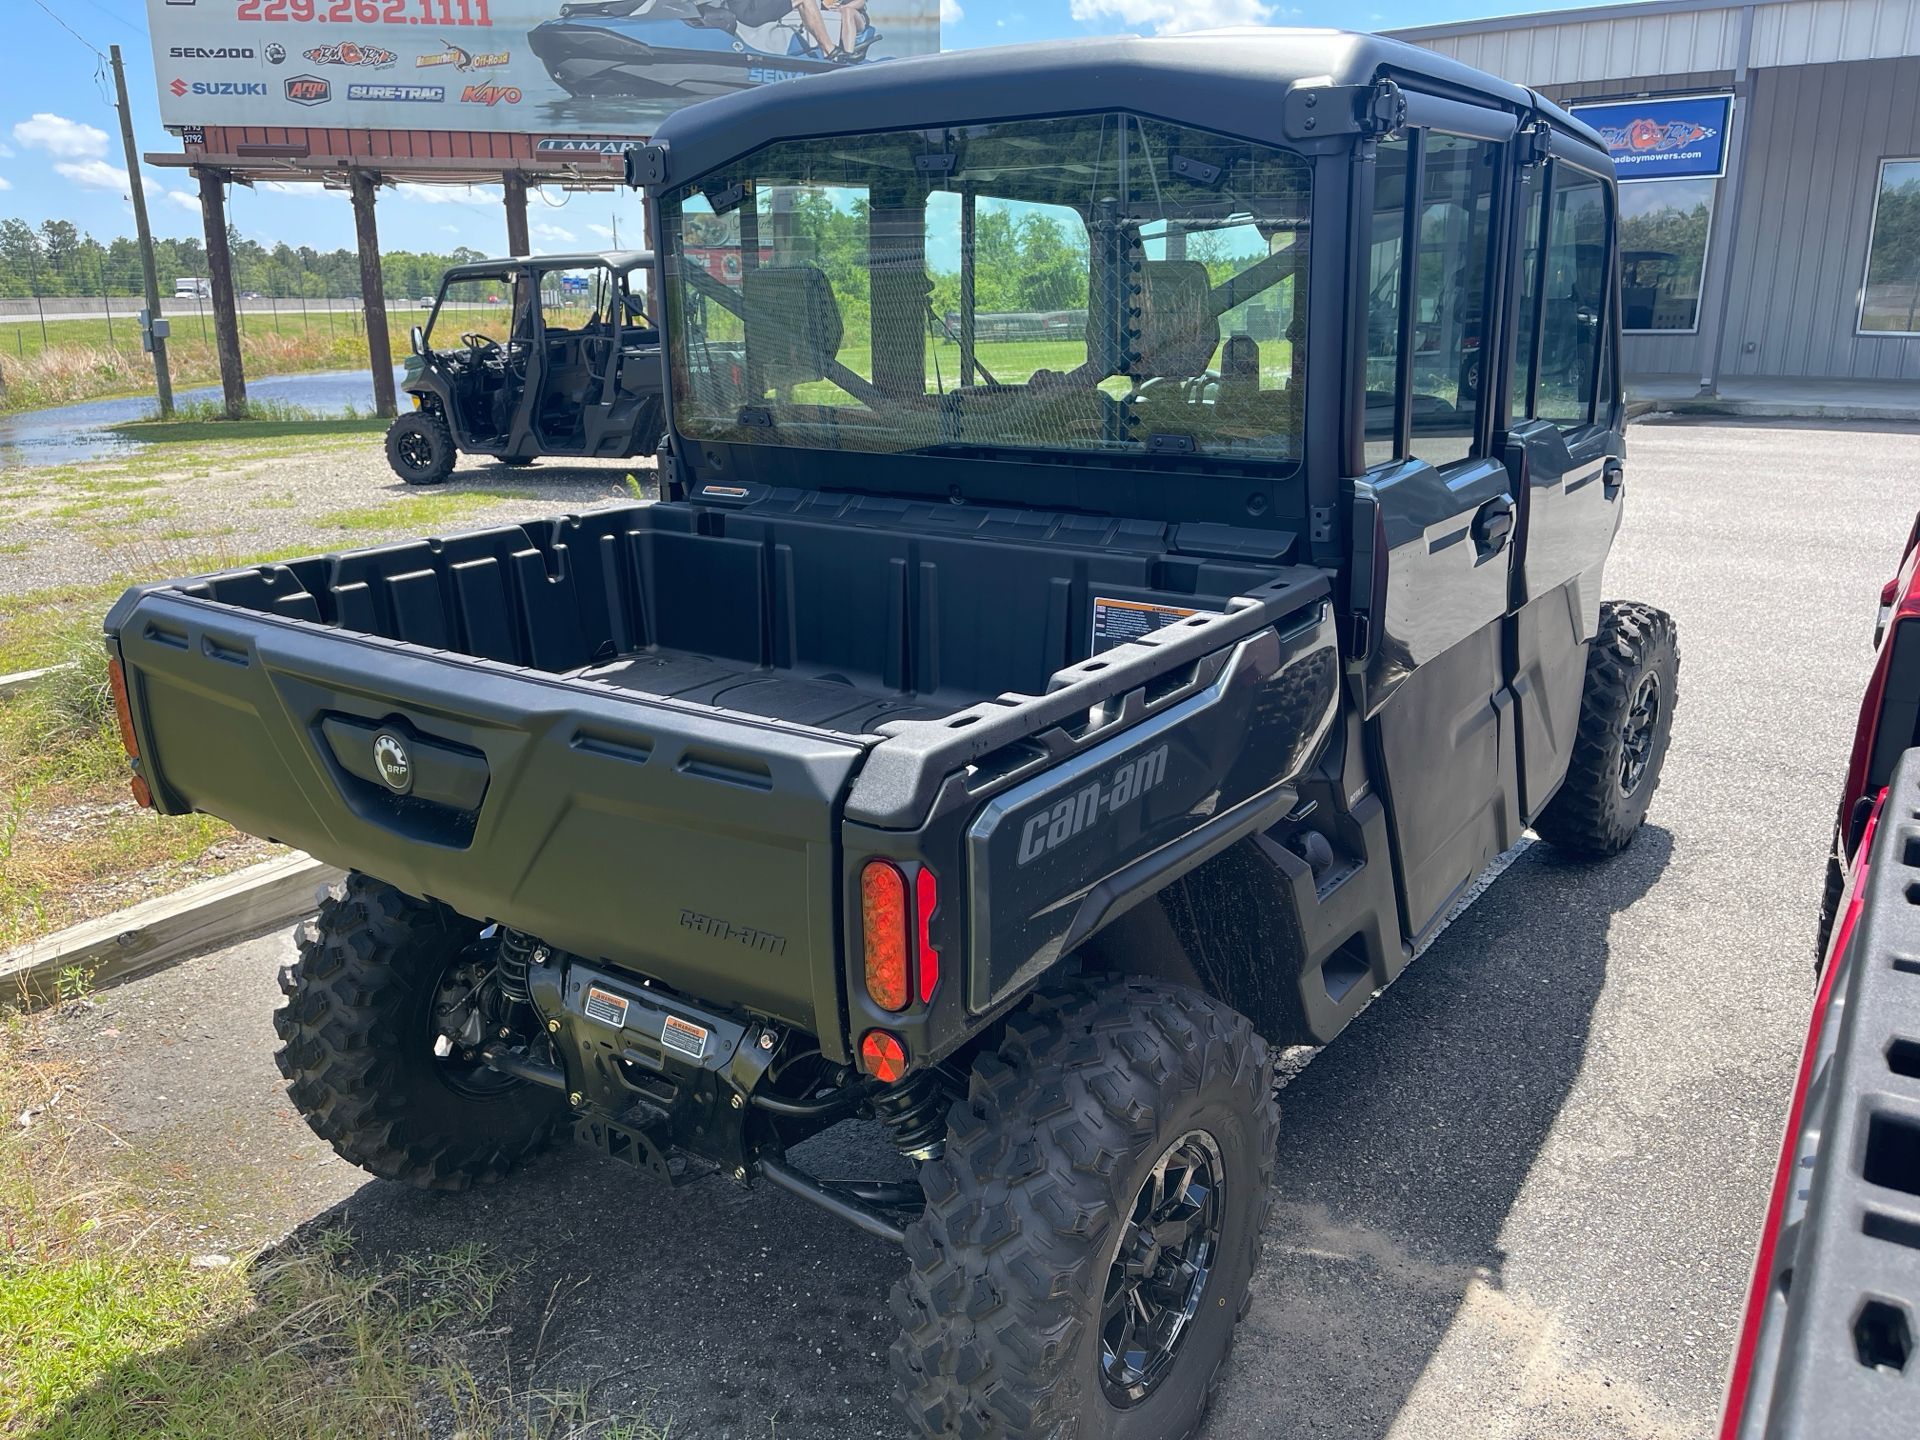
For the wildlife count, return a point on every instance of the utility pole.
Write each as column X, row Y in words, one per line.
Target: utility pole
column 162, row 380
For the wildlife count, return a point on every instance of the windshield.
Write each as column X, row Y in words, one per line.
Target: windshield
column 1093, row 282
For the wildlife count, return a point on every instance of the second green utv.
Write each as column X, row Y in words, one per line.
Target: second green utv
column 1122, row 573
column 542, row 355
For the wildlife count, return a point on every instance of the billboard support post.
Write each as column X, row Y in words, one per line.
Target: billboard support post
column 514, row 184
column 373, row 293
column 162, row 380
column 226, row 322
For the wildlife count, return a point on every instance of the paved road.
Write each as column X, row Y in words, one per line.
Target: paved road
column 1516, row 1199
column 128, row 308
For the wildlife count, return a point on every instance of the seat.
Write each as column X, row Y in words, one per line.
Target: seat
column 793, row 326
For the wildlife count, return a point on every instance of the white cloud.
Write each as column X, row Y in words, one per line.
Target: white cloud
column 189, row 200
column 552, row 234
column 1172, row 17
column 605, row 232
column 57, row 135
column 447, row 194
column 6, row 151
column 93, row 174
column 5, row 184
column 951, row 12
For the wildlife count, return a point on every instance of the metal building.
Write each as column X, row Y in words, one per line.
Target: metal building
column 1769, row 155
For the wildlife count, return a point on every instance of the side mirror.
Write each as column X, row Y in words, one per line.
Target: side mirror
column 419, row 338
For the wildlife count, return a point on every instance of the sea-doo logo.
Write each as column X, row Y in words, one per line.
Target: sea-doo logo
column 411, row 93
column 1052, row 827
column 390, row 758
column 463, row 59
column 197, row 52
column 490, row 95
column 348, row 53
column 309, row 90
column 217, row 87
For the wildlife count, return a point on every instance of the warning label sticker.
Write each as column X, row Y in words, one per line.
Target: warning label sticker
column 1115, row 622
column 685, row 1036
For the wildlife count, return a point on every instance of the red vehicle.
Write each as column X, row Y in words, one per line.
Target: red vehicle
column 1828, row 1345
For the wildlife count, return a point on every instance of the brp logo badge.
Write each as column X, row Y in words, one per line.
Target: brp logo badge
column 390, row 758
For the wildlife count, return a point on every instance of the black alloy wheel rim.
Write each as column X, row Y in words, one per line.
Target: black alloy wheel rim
column 416, row 450
column 1160, row 1269
column 1636, row 739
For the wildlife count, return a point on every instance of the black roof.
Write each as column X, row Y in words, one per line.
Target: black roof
column 1232, row 81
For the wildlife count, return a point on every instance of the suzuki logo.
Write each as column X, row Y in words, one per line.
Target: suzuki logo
column 179, row 88
column 390, row 758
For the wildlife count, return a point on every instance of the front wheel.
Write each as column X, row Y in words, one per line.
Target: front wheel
column 420, row 448
column 1626, row 720
column 1092, row 1228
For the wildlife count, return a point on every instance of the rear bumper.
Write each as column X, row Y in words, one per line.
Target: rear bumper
column 694, row 847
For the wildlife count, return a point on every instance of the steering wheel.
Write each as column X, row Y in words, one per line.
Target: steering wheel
column 480, row 344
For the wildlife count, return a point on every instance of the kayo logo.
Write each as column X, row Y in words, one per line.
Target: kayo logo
column 490, row 95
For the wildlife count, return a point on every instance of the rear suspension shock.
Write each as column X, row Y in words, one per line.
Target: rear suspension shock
column 915, row 1114
column 510, row 964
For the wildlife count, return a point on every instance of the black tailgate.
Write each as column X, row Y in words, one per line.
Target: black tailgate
column 693, row 846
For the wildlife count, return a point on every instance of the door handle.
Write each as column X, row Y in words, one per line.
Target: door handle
column 1492, row 525
column 1613, row 476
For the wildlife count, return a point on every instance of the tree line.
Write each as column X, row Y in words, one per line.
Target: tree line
column 56, row 258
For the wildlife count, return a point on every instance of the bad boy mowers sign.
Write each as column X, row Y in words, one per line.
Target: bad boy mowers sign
column 1666, row 139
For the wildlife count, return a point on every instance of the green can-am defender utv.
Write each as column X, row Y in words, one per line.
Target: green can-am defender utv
column 1089, row 635
column 542, row 355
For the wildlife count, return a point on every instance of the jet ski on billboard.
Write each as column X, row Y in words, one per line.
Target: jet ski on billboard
column 688, row 49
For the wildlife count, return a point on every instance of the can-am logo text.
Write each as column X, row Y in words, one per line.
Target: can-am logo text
column 490, row 95
column 1052, row 827
column 309, row 90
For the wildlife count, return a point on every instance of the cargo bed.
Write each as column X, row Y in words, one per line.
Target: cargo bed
column 636, row 730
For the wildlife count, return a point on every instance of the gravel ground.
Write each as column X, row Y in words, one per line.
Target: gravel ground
column 189, row 506
column 1518, row 1197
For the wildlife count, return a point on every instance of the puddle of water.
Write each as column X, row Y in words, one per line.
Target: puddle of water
column 71, row 433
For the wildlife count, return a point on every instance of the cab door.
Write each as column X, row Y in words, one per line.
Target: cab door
column 1565, row 449
column 1436, row 509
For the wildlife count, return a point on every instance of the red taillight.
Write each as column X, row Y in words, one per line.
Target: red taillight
column 883, row 933
column 926, row 896
column 123, row 712
column 117, row 679
column 883, row 1056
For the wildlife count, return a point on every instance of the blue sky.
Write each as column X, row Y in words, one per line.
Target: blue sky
column 60, row 143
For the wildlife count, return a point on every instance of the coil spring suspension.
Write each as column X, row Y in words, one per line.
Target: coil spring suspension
column 915, row 1114
column 511, row 961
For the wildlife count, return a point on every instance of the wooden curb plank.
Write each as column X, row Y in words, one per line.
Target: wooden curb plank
column 143, row 937
column 22, row 679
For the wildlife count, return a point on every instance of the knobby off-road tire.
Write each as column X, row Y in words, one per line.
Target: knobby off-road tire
column 356, row 1039
column 1626, row 719
column 1063, row 1126
column 420, row 448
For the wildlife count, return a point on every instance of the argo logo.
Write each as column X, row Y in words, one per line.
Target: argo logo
column 309, row 90
column 217, row 87
column 490, row 95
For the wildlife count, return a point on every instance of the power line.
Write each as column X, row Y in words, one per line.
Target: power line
column 70, row 30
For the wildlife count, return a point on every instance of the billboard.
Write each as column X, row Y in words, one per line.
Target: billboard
column 1681, row 138
column 517, row 66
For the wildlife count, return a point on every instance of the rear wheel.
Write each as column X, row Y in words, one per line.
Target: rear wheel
column 356, row 1044
column 1092, row 1228
column 420, row 448
column 1626, row 720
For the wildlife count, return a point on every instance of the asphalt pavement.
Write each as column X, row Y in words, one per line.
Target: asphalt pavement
column 1517, row 1198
